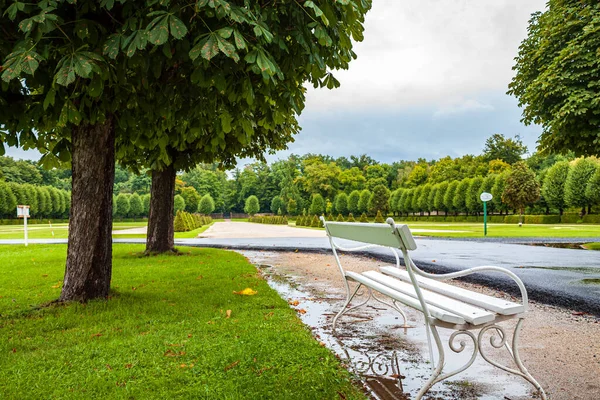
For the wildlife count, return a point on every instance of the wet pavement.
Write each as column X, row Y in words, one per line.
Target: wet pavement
column 391, row 361
column 565, row 277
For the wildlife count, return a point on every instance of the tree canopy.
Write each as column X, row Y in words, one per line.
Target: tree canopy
column 556, row 80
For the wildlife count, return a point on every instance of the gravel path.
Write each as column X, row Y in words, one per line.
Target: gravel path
column 560, row 348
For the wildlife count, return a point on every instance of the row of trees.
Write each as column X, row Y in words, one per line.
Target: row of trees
column 44, row 201
column 133, row 205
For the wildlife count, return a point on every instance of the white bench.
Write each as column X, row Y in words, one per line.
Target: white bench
column 443, row 305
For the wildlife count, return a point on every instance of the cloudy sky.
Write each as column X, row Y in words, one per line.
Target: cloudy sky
column 430, row 80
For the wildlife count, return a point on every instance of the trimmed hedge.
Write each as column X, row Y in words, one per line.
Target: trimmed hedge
column 272, row 220
column 185, row 222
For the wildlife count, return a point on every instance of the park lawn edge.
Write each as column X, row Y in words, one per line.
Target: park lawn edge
column 163, row 333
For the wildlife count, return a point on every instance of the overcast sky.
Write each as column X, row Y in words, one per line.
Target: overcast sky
column 430, row 81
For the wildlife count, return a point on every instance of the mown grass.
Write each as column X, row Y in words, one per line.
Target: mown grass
column 178, row 235
column 44, row 231
column 163, row 333
column 592, row 246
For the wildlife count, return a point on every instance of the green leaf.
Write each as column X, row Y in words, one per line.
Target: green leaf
column 26, row 25
column 211, row 47
column 228, row 49
column 49, row 100
column 2, row 149
column 239, row 40
column 226, row 121
column 158, row 30
column 13, row 9
column 178, row 28
column 112, row 46
column 108, row 4
column 225, row 32
column 201, row 3
column 82, row 66
column 69, row 113
column 66, row 74
column 96, row 87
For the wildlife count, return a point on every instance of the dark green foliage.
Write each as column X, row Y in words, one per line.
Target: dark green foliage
column 556, row 79
column 592, row 191
column 191, row 199
column 272, row 220
column 136, row 207
column 438, row 201
column 341, row 203
column 460, row 196
column 379, row 218
column 207, row 205
column 276, row 204
column 122, row 205
column 577, row 180
column 414, row 201
column 353, row 201
column 146, row 204
column 473, row 201
column 252, row 206
column 315, row 222
column 449, row 196
column 178, row 203
column 553, row 188
column 497, row 147
column 379, row 200
column 424, row 198
column 363, row 202
column 317, row 205
column 521, row 187
column 292, row 207
column 498, row 190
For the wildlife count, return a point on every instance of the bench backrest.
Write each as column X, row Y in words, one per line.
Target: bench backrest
column 379, row 234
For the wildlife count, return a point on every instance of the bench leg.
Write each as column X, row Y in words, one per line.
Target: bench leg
column 349, row 298
column 497, row 340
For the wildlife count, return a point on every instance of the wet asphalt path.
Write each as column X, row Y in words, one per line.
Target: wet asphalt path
column 551, row 275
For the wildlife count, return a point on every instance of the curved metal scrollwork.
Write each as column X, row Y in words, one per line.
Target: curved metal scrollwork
column 382, row 364
column 459, row 348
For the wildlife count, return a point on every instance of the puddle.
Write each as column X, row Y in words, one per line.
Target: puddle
column 390, row 361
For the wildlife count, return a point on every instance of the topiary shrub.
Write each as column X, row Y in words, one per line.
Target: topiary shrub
column 315, row 223
column 178, row 223
column 339, row 218
column 379, row 218
column 363, row 218
column 350, row 218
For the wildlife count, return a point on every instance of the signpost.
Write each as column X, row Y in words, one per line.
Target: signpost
column 485, row 197
column 23, row 212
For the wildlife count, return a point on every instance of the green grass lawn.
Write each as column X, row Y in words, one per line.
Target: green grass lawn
column 458, row 229
column 44, row 231
column 592, row 246
column 164, row 332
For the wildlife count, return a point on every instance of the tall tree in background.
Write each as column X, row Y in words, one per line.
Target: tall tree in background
column 578, row 178
column 521, row 188
column 498, row 147
column 553, row 188
column 80, row 76
column 556, row 79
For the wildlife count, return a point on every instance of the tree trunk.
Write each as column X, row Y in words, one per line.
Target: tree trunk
column 89, row 253
column 160, row 237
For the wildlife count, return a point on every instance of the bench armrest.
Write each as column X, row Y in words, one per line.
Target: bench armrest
column 483, row 268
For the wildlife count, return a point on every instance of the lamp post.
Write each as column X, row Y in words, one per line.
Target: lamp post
column 485, row 197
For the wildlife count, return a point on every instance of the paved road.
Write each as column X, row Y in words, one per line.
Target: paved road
column 552, row 275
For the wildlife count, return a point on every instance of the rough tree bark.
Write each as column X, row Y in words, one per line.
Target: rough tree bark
column 160, row 237
column 89, row 254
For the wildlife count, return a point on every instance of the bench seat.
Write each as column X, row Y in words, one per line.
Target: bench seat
column 494, row 304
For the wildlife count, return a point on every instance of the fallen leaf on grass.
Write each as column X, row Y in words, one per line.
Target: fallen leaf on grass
column 108, row 367
column 199, row 277
column 232, row 365
column 228, row 314
column 96, row 335
column 171, row 353
column 128, row 366
column 246, row 292
column 268, row 315
column 57, row 285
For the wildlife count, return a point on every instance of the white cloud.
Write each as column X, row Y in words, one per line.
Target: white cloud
column 462, row 107
column 424, row 52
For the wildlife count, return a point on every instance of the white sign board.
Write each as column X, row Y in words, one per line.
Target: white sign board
column 22, row 211
column 485, row 196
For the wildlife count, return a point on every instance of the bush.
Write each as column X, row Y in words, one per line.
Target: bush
column 136, row 207
column 339, row 218
column 122, row 204
column 178, row 203
column 363, row 218
column 591, row 219
column 207, row 205
column 570, row 218
column 273, row 220
column 191, row 199
column 350, row 218
column 178, row 224
column 317, row 205
column 379, row 218
column 252, row 205
column 315, row 223
column 329, row 217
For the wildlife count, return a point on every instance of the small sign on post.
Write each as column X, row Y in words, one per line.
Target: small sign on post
column 23, row 212
column 485, row 197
